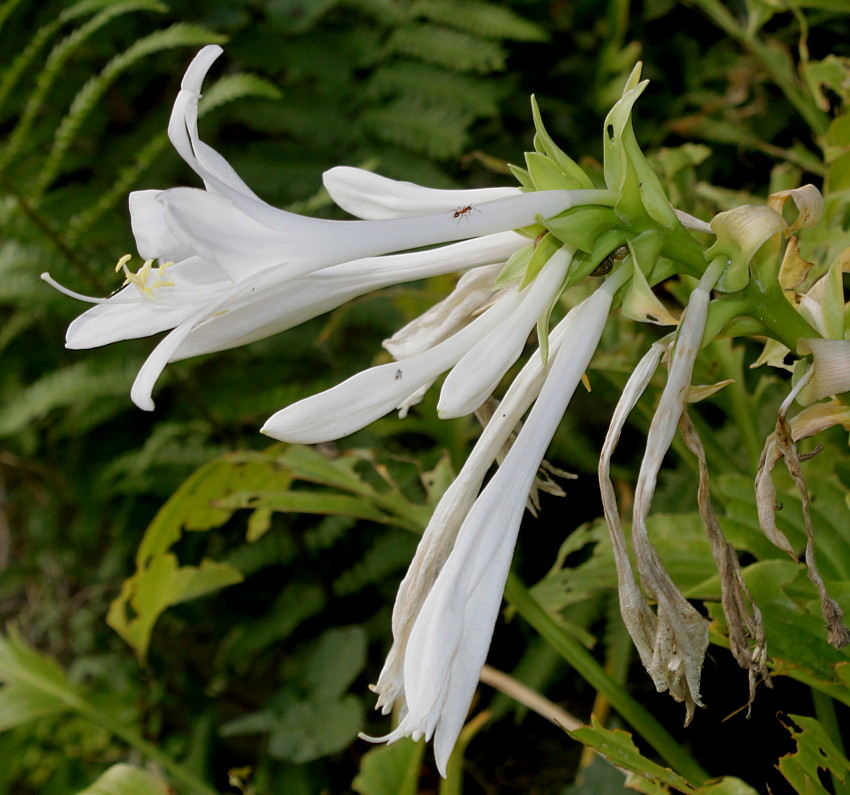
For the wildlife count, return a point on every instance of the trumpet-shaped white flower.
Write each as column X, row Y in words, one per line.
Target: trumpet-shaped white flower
column 450, row 635
column 233, row 269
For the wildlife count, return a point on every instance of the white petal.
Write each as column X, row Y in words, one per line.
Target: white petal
column 209, row 165
column 140, row 392
column 439, row 536
column 472, row 294
column 129, row 314
column 449, row 643
column 154, row 240
column 365, row 194
column 478, row 373
column 369, row 395
column 280, row 304
column 242, row 245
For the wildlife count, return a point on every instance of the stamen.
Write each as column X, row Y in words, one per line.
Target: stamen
column 123, row 262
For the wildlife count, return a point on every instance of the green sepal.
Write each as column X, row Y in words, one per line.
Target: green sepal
column 543, row 322
column 544, row 144
column 545, row 173
column 532, row 232
column 515, row 266
column 626, row 169
column 580, row 226
column 521, row 176
column 544, row 249
column 617, row 124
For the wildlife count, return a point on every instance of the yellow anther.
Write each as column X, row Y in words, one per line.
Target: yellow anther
column 142, row 276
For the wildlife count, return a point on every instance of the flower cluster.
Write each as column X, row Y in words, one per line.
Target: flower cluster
column 231, row 269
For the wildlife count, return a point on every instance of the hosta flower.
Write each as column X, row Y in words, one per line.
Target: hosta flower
column 232, row 269
column 446, row 610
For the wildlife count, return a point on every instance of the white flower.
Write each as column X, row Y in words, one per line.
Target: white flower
column 233, row 269
column 444, row 628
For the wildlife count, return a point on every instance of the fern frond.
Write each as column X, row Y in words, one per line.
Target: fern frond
column 385, row 12
column 178, row 35
column 474, row 95
column 6, row 9
column 483, row 19
column 52, row 70
column 432, row 131
column 13, row 72
column 227, row 89
column 76, row 385
column 460, row 52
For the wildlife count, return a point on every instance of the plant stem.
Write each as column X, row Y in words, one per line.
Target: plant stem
column 584, row 663
column 746, row 419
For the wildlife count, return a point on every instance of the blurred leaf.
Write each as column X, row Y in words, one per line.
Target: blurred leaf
column 124, row 779
column 34, row 686
column 158, row 585
column 335, row 662
column 391, row 769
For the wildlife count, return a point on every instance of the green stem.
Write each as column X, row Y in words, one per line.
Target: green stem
column 192, row 783
column 771, row 308
column 586, row 665
column 742, row 407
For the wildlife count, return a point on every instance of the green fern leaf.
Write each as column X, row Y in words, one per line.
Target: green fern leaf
column 460, row 52
column 435, row 85
column 52, row 70
column 72, row 386
column 483, row 19
column 6, row 9
column 435, row 132
column 178, row 35
column 12, row 73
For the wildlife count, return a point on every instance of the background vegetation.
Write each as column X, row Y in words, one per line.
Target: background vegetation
column 261, row 684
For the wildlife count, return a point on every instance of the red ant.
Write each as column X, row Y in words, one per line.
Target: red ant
column 460, row 212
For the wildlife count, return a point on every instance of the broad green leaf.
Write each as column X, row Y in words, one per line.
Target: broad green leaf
column 315, row 502
column 815, row 751
column 617, row 746
column 160, row 583
column 33, row 678
column 20, row 705
column 124, row 779
column 391, row 769
column 645, row 775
